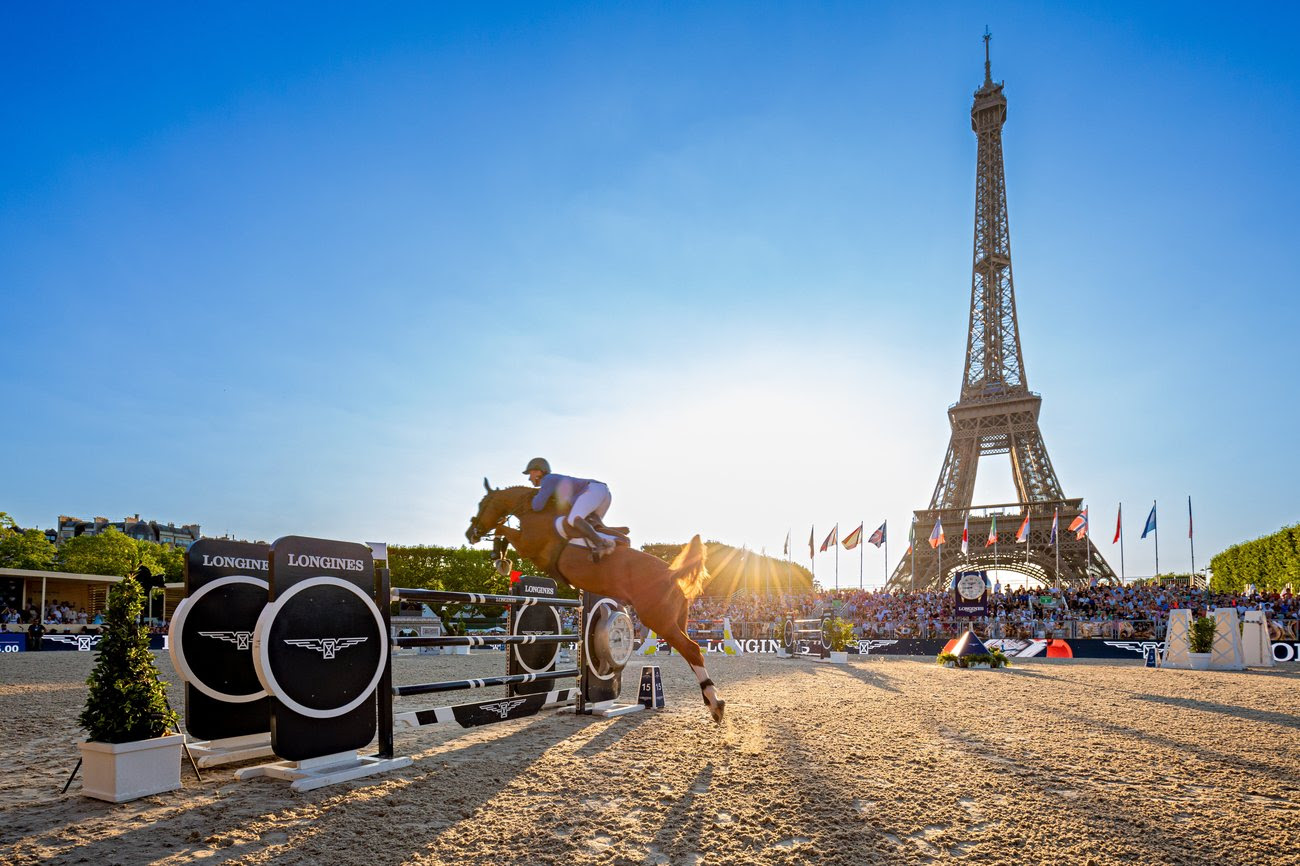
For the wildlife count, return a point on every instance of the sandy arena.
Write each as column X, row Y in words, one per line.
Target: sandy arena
column 885, row 760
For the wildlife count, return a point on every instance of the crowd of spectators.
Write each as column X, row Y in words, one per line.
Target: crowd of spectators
column 62, row 616
column 1098, row 611
column 57, row 613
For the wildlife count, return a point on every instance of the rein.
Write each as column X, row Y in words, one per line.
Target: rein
column 552, row 566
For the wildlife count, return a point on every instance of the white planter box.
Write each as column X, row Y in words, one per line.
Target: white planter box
column 118, row 772
column 981, row 666
column 839, row 658
column 1200, row 661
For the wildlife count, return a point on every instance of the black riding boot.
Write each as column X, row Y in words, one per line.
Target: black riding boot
column 600, row 545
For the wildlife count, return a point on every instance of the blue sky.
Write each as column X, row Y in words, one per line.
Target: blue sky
column 317, row 269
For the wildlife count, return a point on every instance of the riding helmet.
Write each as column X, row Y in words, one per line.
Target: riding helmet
column 538, row 463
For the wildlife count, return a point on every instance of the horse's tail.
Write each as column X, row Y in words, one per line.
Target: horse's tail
column 689, row 571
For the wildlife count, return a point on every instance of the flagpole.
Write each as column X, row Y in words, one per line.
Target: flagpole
column 1156, row 533
column 861, row 552
column 837, row 557
column 913, row 548
column 789, row 571
column 884, row 571
column 1121, row 544
column 1191, row 543
column 1056, row 531
column 812, row 555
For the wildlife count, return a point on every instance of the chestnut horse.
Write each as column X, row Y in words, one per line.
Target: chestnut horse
column 661, row 593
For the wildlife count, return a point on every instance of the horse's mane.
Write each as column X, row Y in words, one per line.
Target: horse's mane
column 516, row 495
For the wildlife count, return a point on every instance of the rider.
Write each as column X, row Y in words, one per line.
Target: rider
column 579, row 497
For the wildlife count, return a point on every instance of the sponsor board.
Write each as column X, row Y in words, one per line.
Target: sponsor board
column 1083, row 648
column 16, row 642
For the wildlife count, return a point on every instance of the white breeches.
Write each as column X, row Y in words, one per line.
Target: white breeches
column 594, row 500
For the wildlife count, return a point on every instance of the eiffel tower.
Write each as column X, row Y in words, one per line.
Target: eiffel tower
column 996, row 414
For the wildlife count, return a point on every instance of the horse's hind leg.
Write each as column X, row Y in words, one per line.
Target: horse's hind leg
column 690, row 650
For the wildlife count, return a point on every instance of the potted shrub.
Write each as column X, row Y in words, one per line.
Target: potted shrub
column 1201, row 642
column 130, row 753
column 992, row 659
column 840, row 634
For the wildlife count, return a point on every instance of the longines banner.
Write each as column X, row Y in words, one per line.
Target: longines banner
column 1088, row 648
column 970, row 593
column 15, row 642
column 1091, row 648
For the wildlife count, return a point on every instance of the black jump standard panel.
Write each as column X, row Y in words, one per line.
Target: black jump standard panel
column 321, row 647
column 534, row 619
column 212, row 639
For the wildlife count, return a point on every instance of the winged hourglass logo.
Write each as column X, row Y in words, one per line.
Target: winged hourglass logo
column 326, row 646
column 502, row 708
column 241, row 639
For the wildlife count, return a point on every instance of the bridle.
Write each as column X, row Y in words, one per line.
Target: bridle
column 477, row 531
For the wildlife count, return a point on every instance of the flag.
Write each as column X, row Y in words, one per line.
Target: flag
column 787, row 542
column 965, row 536
column 1189, row 517
column 1079, row 526
column 812, row 545
column 1151, row 521
column 1056, row 513
column 1022, row 534
column 911, row 536
column 853, row 539
column 878, row 537
column 993, row 533
column 936, row 536
column 1119, row 523
column 830, row 539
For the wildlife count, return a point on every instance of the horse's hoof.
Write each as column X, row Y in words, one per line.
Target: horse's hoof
column 717, row 711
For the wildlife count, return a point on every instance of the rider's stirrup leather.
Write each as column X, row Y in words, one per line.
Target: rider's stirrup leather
column 599, row 545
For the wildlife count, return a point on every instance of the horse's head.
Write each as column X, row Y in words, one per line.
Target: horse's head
column 495, row 506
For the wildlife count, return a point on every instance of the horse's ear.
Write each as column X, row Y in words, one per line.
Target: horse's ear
column 487, row 486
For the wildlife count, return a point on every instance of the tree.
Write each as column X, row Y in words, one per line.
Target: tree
column 126, row 701
column 732, row 569
column 111, row 553
column 454, row 569
column 171, row 560
column 24, row 548
column 1270, row 563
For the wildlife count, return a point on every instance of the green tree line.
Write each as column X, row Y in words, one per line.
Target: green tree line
column 1270, row 563
column 735, row 569
column 108, row 553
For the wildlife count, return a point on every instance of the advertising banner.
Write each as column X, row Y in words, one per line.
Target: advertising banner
column 970, row 593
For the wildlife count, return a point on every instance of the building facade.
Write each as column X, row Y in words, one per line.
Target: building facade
column 169, row 534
